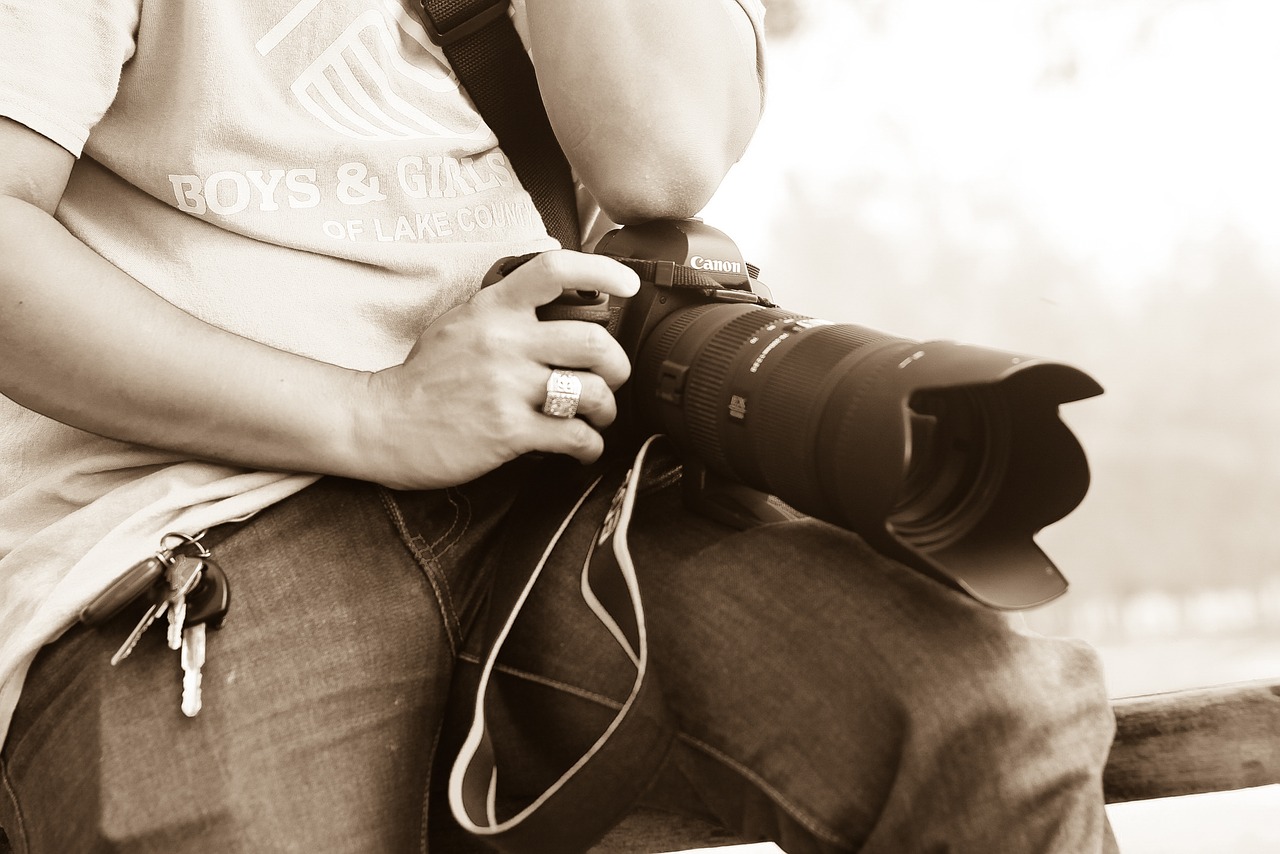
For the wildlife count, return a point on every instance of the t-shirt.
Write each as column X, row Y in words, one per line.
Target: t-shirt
column 306, row 173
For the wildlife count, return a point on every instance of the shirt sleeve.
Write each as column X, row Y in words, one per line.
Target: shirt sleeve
column 60, row 63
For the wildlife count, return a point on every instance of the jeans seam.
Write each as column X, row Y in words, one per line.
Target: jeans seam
column 12, row 795
column 437, row 554
column 458, row 515
column 430, row 568
column 808, row 821
column 424, row 817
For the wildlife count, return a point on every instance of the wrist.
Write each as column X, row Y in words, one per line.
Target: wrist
column 377, row 429
column 358, row 442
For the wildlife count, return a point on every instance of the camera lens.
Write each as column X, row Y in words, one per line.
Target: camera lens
column 945, row 456
column 762, row 394
column 956, row 457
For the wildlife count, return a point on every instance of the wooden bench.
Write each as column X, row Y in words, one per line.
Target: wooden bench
column 1177, row 743
column 1187, row 742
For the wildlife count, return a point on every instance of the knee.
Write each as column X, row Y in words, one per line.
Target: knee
column 1053, row 682
column 950, row 663
column 1017, row 699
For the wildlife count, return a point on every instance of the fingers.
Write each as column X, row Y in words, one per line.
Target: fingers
column 579, row 436
column 596, row 403
column 567, row 344
column 570, row 436
column 581, row 346
column 586, row 348
column 542, row 279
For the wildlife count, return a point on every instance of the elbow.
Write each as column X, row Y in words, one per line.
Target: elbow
column 667, row 169
column 658, row 182
column 643, row 195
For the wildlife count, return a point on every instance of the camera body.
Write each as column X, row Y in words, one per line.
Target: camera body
column 946, row 457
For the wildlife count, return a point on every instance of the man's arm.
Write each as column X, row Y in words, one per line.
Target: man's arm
column 652, row 102
column 85, row 344
column 82, row 342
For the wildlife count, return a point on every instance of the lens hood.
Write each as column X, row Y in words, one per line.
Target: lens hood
column 996, row 462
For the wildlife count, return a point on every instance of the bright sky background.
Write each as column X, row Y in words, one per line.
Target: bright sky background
column 1119, row 131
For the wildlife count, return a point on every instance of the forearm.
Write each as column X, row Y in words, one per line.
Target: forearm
column 652, row 102
column 83, row 343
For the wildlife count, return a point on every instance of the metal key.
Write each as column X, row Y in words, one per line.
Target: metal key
column 183, row 575
column 159, row 603
column 193, row 653
column 158, row 607
column 207, row 606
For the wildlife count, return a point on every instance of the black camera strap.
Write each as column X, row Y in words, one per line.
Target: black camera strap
column 485, row 51
column 625, row 757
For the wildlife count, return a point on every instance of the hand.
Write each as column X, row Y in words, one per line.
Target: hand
column 469, row 395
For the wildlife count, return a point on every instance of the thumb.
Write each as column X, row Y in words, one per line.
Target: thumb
column 543, row 278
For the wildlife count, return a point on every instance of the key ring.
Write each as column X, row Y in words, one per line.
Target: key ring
column 187, row 540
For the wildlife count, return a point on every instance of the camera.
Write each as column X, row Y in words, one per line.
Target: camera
column 946, row 457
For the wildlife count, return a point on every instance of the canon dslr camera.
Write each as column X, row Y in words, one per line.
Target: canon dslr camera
column 946, row 457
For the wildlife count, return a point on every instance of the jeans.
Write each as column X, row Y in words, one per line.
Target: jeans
column 828, row 699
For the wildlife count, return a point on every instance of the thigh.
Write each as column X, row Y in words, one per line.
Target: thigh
column 323, row 694
column 827, row 698
column 835, row 700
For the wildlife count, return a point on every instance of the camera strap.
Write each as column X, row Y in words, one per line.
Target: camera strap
column 604, row 784
column 485, row 51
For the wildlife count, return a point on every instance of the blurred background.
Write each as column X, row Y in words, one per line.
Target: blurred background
column 1097, row 182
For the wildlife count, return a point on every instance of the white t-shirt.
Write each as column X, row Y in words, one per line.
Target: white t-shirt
column 306, row 173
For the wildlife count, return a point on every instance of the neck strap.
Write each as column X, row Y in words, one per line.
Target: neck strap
column 485, row 51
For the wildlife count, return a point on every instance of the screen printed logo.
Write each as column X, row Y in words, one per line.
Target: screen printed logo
column 370, row 81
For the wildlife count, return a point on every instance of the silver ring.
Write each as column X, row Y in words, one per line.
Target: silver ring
column 563, row 392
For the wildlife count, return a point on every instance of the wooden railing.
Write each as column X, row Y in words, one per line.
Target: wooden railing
column 1200, row 740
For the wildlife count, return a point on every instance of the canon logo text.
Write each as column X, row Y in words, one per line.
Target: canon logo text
column 697, row 262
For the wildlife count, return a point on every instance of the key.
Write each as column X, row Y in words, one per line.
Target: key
column 157, row 609
column 193, row 653
column 207, row 606
column 128, row 588
column 159, row 605
column 183, row 575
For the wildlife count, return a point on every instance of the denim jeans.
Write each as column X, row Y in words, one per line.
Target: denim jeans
column 828, row 699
